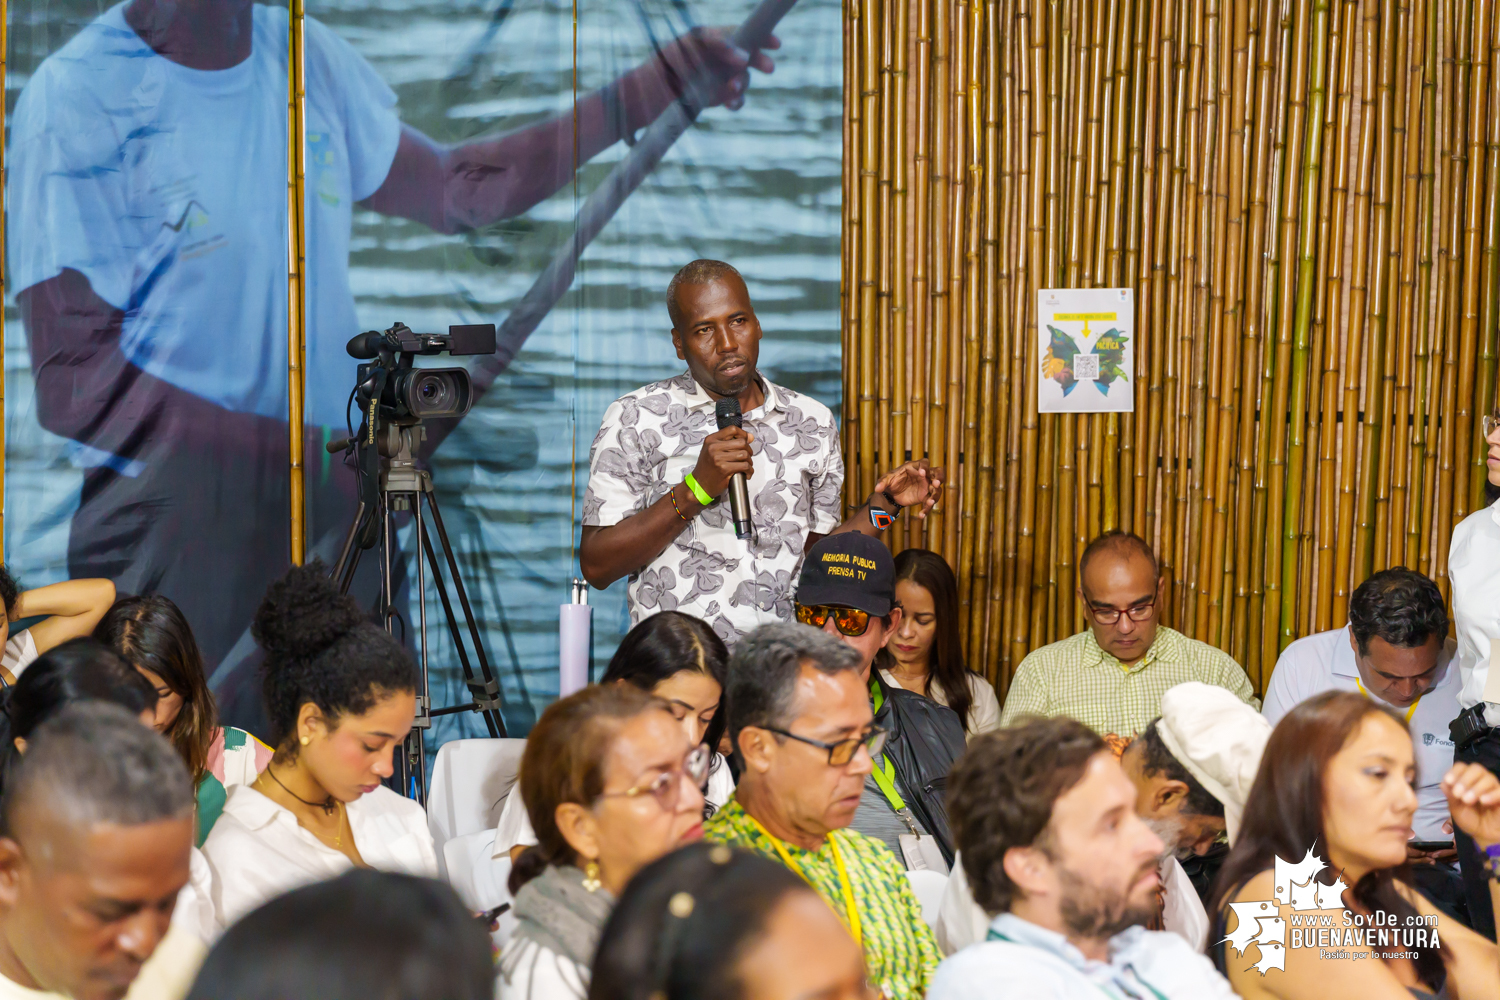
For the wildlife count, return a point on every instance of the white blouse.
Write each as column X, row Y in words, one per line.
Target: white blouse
column 984, row 713
column 529, row 971
column 257, row 849
column 514, row 827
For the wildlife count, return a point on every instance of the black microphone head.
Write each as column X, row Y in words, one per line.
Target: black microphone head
column 727, row 413
column 365, row 345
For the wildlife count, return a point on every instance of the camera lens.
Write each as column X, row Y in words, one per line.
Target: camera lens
column 437, row 392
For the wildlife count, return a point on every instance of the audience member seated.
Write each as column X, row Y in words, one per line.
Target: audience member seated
column 151, row 634
column 847, row 589
column 78, row 670
column 708, row 923
column 1324, row 837
column 1055, row 852
column 365, row 935
column 341, row 695
column 681, row 660
column 95, row 832
column 1111, row 676
column 800, row 719
column 1396, row 651
column 68, row 610
column 925, row 653
column 1192, row 769
column 611, row 783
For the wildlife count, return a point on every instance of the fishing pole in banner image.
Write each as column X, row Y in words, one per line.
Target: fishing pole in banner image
column 407, row 411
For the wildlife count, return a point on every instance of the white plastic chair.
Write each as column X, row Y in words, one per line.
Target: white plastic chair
column 470, row 780
column 478, row 878
column 929, row 887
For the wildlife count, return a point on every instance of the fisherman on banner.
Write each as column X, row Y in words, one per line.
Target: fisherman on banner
column 657, row 505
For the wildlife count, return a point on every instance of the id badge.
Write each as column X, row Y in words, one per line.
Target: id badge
column 922, row 854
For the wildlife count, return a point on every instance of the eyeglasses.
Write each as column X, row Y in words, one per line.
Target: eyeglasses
column 1108, row 616
column 666, row 787
column 841, row 752
column 849, row 621
column 1489, row 422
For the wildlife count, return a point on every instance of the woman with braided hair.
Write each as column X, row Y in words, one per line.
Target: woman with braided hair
column 341, row 695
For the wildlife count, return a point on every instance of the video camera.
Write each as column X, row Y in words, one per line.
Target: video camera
column 404, row 392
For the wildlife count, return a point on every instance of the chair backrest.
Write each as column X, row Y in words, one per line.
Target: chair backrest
column 479, row 878
column 470, row 780
column 929, row 886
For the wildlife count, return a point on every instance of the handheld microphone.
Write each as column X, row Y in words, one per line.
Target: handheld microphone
column 727, row 413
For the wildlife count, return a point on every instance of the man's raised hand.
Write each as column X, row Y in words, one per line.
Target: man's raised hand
column 724, row 453
column 916, row 485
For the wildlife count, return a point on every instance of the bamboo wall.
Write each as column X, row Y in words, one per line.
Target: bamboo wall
column 1302, row 194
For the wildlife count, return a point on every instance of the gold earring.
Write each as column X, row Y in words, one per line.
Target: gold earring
column 591, row 881
column 306, row 740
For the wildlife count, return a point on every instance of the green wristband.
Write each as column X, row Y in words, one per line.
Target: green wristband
column 698, row 491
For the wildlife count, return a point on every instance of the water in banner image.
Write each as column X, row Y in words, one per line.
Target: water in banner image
column 758, row 187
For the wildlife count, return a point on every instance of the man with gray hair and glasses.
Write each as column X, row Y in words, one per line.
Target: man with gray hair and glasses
column 801, row 722
column 95, row 832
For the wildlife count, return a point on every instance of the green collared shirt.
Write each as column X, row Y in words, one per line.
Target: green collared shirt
column 900, row 952
column 1076, row 678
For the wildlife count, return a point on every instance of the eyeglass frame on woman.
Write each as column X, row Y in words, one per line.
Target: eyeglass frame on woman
column 830, row 611
column 669, row 783
column 1489, row 422
column 1147, row 609
column 875, row 734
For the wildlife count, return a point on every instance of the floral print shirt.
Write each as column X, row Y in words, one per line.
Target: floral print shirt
column 651, row 438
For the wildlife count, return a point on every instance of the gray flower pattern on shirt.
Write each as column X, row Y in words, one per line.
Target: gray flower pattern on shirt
column 651, row 437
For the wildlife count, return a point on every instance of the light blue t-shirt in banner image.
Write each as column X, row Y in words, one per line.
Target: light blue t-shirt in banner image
column 166, row 187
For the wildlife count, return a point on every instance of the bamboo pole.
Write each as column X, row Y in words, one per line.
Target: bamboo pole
column 296, row 299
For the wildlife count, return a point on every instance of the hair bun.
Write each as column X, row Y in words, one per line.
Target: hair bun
column 303, row 614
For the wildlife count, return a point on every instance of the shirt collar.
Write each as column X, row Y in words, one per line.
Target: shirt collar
column 1344, row 664
column 1163, row 646
column 1024, row 932
column 1495, row 511
column 693, row 396
column 253, row 809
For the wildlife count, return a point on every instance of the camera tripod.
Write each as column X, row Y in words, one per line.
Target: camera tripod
column 391, row 482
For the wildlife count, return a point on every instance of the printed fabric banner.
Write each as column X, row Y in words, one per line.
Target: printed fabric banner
column 449, row 150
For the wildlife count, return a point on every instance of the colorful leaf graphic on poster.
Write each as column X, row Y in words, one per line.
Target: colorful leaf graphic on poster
column 1085, row 345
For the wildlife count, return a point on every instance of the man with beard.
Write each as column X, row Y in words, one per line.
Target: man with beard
column 656, row 506
column 1056, row 854
column 1192, row 769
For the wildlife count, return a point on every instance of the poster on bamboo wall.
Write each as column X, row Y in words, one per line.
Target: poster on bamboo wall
column 1086, row 347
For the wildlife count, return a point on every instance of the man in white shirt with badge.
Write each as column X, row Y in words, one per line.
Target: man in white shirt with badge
column 1395, row 651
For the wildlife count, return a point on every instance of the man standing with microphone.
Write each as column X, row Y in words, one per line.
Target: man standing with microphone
column 658, row 507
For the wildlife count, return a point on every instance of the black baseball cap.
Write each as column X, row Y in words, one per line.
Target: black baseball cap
column 850, row 570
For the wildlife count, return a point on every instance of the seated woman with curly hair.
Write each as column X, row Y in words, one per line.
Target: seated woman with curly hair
column 341, row 696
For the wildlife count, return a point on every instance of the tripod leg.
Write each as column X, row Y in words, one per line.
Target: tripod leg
column 458, row 640
column 463, row 595
column 424, row 719
column 348, row 549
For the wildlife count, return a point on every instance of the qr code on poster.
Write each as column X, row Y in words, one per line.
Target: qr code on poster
column 1085, row 366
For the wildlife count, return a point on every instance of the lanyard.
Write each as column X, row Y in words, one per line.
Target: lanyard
column 885, row 772
column 995, row 935
column 845, row 888
column 1409, row 712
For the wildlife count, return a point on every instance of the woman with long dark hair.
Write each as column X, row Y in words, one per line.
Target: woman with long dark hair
column 152, row 635
column 1335, row 784
column 925, row 654
column 682, row 661
column 712, row 923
